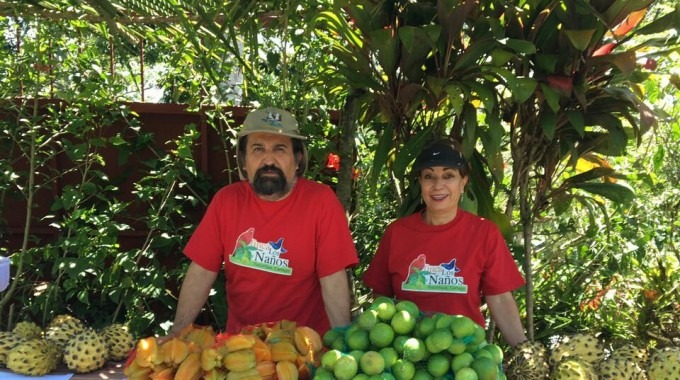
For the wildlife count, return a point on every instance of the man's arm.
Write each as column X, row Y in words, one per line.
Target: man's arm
column 335, row 292
column 504, row 312
column 195, row 291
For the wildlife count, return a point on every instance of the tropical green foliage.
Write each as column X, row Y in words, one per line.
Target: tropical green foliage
column 553, row 100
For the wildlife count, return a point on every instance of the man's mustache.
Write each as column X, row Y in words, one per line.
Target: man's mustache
column 269, row 169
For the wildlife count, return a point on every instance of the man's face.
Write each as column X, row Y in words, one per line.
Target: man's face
column 271, row 164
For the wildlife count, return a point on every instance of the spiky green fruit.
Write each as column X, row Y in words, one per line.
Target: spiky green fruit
column 586, row 347
column 86, row 352
column 573, row 369
column 528, row 361
column 28, row 330
column 665, row 364
column 119, row 341
column 619, row 369
column 32, row 357
column 8, row 340
column 63, row 328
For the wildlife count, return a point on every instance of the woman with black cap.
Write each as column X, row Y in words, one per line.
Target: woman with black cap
column 443, row 258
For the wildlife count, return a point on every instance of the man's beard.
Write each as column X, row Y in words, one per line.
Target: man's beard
column 270, row 185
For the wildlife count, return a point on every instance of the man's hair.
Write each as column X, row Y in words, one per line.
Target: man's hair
column 298, row 147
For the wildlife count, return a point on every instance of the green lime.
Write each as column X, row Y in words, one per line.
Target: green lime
column 438, row 365
column 359, row 376
column 339, row 344
column 466, row 373
column 461, row 361
column 345, row 367
column 398, row 343
column 356, row 354
column 481, row 352
column 329, row 358
column 367, row 319
column 403, row 322
column 323, row 374
column 372, row 363
column 390, row 355
column 385, row 309
column 462, row 326
column 330, row 336
column 381, row 335
column 439, row 340
column 409, row 306
column 382, row 376
column 422, row 374
column 457, row 346
column 479, row 336
column 424, row 327
column 443, row 320
column 486, row 368
column 414, row 350
column 403, row 370
column 358, row 340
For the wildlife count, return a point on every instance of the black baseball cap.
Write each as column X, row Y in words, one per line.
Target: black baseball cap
column 440, row 153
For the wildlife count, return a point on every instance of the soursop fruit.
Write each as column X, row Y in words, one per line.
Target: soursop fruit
column 633, row 353
column 573, row 369
column 8, row 340
column 33, row 357
column 584, row 346
column 63, row 328
column 620, row 369
column 28, row 330
column 119, row 341
column 665, row 364
column 528, row 361
column 86, row 352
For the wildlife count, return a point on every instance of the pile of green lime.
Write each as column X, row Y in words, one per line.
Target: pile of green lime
column 392, row 339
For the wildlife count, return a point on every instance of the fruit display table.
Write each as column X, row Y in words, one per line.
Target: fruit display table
column 112, row 371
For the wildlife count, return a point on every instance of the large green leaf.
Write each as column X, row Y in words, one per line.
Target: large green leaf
column 381, row 155
column 386, row 45
column 615, row 192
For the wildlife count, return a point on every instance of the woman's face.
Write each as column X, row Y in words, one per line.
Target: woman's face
column 441, row 188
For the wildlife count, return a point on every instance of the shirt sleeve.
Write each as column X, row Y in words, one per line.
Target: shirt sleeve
column 335, row 246
column 501, row 273
column 205, row 246
column 377, row 276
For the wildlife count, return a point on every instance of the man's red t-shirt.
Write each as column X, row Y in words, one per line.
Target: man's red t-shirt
column 274, row 252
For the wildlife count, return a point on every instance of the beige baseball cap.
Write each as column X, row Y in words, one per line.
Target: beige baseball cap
column 271, row 120
column 275, row 121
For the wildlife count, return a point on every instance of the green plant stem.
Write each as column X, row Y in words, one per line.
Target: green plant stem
column 29, row 212
column 146, row 245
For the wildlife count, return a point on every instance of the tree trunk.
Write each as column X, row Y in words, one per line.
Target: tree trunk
column 348, row 127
